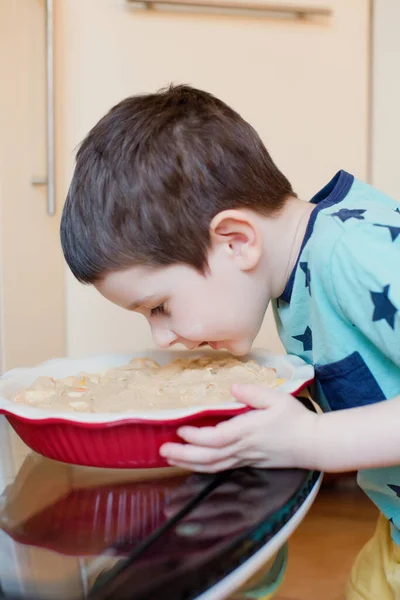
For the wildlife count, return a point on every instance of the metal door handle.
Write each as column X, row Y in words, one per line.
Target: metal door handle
column 49, row 180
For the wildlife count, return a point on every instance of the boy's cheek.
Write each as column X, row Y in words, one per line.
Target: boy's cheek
column 193, row 329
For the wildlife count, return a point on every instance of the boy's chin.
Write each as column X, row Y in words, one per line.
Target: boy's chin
column 239, row 348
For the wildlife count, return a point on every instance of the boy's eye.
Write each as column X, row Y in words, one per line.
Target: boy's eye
column 158, row 310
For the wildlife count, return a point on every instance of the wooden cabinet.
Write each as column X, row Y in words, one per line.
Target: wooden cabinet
column 303, row 85
column 32, row 272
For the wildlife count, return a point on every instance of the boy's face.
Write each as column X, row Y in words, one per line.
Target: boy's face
column 224, row 307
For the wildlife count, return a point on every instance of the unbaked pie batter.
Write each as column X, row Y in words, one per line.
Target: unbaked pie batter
column 143, row 385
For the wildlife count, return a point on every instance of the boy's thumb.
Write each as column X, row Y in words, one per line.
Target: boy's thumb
column 252, row 395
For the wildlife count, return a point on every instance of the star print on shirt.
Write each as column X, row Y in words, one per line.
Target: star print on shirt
column 305, row 338
column 397, row 210
column 383, row 308
column 395, row 488
column 306, row 271
column 394, row 231
column 345, row 214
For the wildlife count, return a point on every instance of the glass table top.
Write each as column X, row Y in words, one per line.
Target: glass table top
column 74, row 532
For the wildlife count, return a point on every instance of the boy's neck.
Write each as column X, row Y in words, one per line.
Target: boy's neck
column 283, row 237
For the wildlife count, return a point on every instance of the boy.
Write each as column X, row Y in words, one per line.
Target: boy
column 177, row 211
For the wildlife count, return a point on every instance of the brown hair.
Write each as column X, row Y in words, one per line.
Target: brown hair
column 152, row 174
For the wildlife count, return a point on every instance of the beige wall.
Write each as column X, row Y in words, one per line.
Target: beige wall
column 32, row 271
column 386, row 97
column 304, row 87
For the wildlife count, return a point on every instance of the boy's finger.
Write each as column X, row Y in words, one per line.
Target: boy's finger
column 196, row 454
column 221, row 435
column 253, row 395
column 224, row 465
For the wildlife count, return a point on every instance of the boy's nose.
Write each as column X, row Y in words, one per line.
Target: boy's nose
column 164, row 338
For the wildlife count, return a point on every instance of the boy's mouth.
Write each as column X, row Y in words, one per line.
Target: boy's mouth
column 213, row 345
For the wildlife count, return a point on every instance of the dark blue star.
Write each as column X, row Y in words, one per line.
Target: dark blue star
column 383, row 308
column 305, row 338
column 397, row 210
column 345, row 214
column 306, row 271
column 394, row 231
column 396, row 489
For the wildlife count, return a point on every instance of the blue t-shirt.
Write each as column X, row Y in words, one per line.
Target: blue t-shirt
column 340, row 310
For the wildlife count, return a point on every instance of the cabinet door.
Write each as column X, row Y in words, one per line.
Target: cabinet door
column 32, row 288
column 302, row 84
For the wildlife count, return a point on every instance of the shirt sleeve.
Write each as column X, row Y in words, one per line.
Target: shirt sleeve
column 365, row 271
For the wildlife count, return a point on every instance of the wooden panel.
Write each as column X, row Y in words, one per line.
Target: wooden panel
column 32, row 268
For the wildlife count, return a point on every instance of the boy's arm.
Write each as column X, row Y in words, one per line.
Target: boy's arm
column 357, row 438
column 282, row 433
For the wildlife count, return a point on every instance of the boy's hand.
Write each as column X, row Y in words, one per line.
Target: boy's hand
column 280, row 433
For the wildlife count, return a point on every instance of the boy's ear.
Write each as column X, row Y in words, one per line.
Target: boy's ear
column 239, row 234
